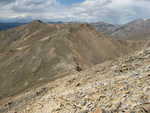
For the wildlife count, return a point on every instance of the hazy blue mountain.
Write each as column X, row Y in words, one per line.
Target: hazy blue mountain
column 5, row 26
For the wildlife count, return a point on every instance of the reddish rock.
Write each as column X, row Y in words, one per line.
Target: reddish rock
column 99, row 110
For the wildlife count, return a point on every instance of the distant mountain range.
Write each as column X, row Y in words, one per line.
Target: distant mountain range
column 138, row 29
column 5, row 26
column 105, row 28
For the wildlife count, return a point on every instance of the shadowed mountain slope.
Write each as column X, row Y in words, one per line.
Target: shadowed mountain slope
column 5, row 26
column 38, row 52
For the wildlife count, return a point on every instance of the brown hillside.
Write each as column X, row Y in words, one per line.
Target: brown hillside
column 37, row 52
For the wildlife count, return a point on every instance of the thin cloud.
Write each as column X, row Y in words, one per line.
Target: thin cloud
column 113, row 11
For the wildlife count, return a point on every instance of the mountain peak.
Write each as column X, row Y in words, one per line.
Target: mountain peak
column 138, row 21
column 37, row 21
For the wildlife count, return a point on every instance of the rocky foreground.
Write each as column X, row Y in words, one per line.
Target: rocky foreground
column 118, row 86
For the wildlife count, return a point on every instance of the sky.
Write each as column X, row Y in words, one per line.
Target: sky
column 111, row 11
column 69, row 2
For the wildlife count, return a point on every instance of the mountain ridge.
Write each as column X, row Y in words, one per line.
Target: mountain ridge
column 38, row 52
column 135, row 30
